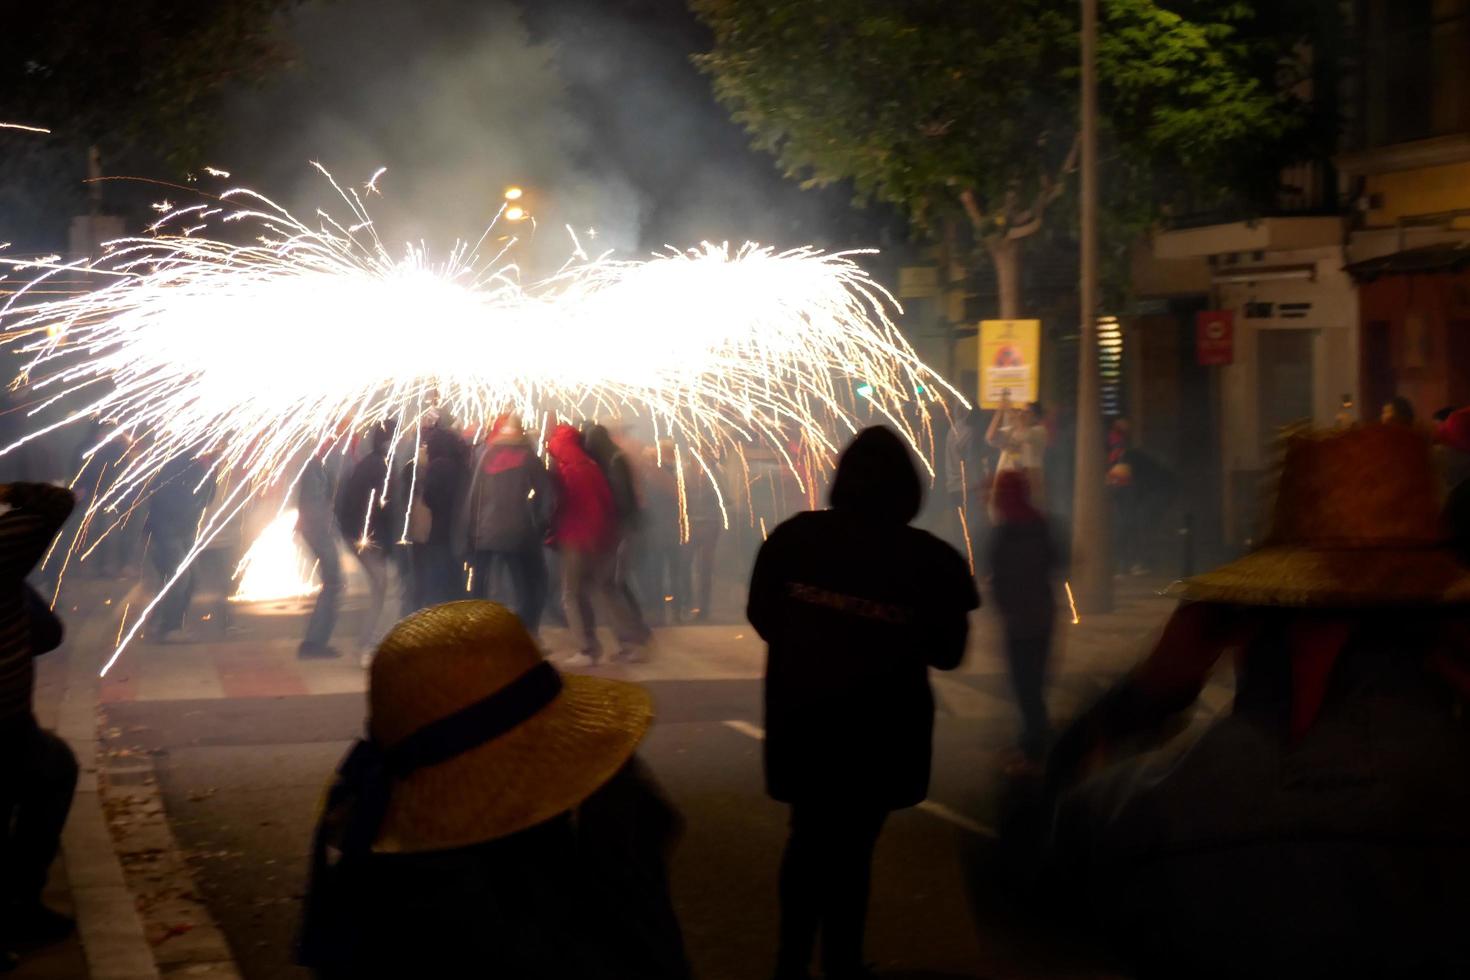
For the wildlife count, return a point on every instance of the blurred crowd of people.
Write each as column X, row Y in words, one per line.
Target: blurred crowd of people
column 597, row 528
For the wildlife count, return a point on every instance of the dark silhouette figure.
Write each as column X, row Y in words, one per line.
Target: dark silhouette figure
column 1022, row 560
column 855, row 607
column 618, row 469
column 182, row 491
column 367, row 524
column 314, row 495
column 494, row 822
column 665, row 579
column 438, row 576
column 38, row 771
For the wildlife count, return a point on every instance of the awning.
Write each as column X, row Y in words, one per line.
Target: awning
column 1447, row 257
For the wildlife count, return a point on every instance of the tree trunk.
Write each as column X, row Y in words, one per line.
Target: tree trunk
column 1005, row 255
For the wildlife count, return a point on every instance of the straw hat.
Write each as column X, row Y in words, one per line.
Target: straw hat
column 1356, row 523
column 446, row 659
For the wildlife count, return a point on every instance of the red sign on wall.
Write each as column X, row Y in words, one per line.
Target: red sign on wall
column 1214, row 337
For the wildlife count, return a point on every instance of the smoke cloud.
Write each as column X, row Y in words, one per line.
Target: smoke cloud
column 591, row 105
column 456, row 101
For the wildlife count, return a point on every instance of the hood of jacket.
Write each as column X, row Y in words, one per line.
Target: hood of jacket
column 507, row 451
column 876, row 477
column 565, row 444
column 600, row 445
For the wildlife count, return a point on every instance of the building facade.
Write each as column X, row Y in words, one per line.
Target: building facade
column 1407, row 170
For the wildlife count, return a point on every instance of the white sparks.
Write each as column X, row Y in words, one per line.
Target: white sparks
column 256, row 356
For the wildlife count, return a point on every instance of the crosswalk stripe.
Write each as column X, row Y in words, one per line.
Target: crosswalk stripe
column 958, row 819
column 963, row 701
column 931, row 807
column 746, row 728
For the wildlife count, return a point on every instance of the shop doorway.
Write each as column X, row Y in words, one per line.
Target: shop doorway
column 1286, row 393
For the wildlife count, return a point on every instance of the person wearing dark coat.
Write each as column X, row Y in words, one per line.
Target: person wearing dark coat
column 494, row 821
column 314, row 494
column 620, row 480
column 181, row 492
column 702, row 496
column 38, row 772
column 855, row 607
column 367, row 524
column 436, row 573
column 665, row 576
column 1022, row 561
column 507, row 513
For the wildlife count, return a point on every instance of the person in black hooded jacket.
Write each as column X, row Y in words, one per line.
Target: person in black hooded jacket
column 855, row 607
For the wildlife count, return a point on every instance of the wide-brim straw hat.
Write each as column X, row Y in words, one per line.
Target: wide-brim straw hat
column 444, row 659
column 1356, row 523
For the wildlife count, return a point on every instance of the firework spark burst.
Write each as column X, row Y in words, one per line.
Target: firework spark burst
column 238, row 334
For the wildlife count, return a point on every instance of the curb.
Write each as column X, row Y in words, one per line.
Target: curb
column 183, row 937
column 107, row 918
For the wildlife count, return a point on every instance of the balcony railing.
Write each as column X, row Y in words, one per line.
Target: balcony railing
column 1305, row 190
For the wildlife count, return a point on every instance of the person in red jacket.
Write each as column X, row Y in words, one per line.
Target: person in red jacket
column 584, row 530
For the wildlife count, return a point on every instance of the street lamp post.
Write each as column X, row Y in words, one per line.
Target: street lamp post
column 1092, row 574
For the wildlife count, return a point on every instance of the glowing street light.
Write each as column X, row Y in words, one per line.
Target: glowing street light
column 514, row 211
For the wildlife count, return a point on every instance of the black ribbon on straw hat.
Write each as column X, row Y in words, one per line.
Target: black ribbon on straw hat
column 358, row 802
column 365, row 778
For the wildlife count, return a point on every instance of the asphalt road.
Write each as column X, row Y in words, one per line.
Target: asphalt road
column 241, row 779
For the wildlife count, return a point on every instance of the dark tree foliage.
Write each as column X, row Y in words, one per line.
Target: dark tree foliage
column 966, row 111
column 140, row 80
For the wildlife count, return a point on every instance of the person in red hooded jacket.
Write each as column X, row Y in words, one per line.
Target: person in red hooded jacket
column 1023, row 560
column 584, row 530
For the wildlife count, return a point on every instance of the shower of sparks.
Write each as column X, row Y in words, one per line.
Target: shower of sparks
column 24, row 128
column 1072, row 602
column 276, row 566
column 254, row 351
column 965, row 530
column 122, row 624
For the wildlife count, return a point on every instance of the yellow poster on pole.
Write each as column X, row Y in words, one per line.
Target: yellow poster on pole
column 1010, row 361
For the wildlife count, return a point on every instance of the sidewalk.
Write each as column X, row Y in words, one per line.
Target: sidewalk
column 258, row 658
column 64, row 961
column 87, row 879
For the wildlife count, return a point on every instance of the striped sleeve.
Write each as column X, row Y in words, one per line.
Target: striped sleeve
column 38, row 510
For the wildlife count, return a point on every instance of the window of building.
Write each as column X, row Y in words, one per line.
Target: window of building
column 1417, row 65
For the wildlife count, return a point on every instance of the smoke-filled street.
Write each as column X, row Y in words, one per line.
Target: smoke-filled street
column 239, row 734
column 735, row 489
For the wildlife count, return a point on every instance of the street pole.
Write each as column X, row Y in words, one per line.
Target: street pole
column 1092, row 574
